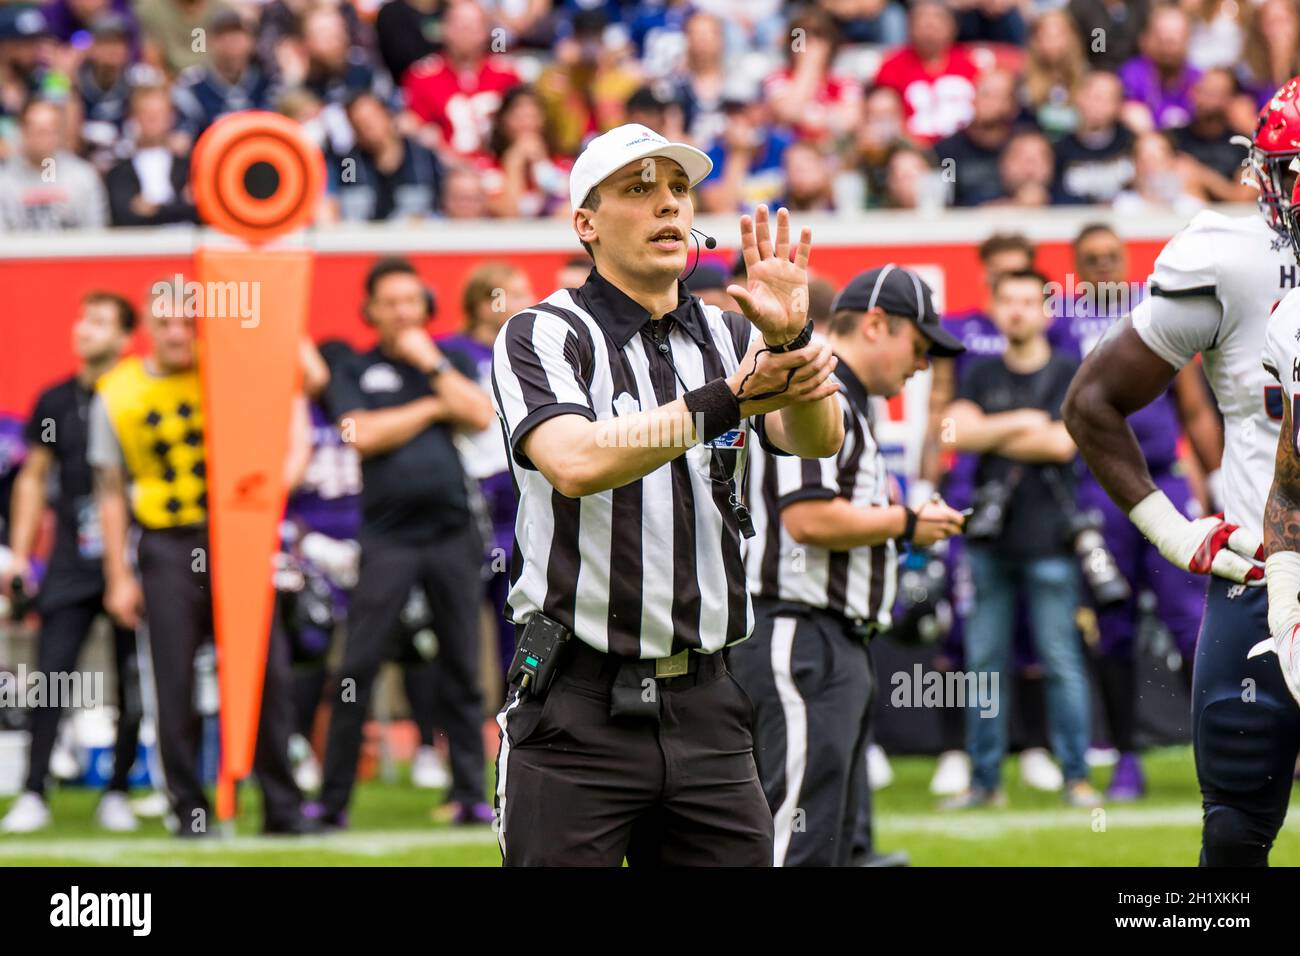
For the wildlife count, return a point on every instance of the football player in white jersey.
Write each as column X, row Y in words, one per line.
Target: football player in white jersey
column 1211, row 293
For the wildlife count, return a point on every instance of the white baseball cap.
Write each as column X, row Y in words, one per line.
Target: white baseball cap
column 610, row 152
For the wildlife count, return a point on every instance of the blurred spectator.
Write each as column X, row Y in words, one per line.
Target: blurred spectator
column 935, row 79
column 1206, row 137
column 821, row 296
column 523, row 22
column 807, row 179
column 747, row 167
column 43, row 186
column 1217, row 34
column 750, row 24
column 1053, row 70
column 73, row 21
column 1026, row 171
column 907, row 179
column 709, row 281
column 989, row 21
column 574, row 272
column 171, row 31
column 284, row 23
column 587, row 84
column 658, row 29
column 1158, row 83
column 462, row 194
column 151, row 187
column 1110, row 29
column 868, row 21
column 385, row 175
column 103, row 85
column 879, row 134
column 1272, row 51
column 700, row 84
column 456, row 93
column 406, row 31
column 1095, row 162
column 24, row 70
column 227, row 81
column 969, row 157
column 1161, row 181
column 523, row 173
column 336, row 70
column 656, row 110
column 803, row 94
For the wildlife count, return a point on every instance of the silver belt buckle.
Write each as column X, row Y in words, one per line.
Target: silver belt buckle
column 674, row 666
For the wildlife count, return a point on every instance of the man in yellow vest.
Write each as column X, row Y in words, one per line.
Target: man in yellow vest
column 146, row 447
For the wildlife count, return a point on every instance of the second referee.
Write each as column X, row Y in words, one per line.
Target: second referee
column 624, row 736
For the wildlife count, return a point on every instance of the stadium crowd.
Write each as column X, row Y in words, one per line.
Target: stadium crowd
column 457, row 109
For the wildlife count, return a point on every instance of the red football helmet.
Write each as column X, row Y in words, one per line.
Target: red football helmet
column 1276, row 142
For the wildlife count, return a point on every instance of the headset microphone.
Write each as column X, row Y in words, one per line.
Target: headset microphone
column 709, row 243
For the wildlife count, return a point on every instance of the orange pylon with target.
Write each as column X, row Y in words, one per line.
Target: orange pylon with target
column 256, row 177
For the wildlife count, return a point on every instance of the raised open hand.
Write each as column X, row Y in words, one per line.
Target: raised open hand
column 775, row 297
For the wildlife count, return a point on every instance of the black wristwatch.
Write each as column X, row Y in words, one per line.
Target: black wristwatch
column 798, row 342
column 444, row 363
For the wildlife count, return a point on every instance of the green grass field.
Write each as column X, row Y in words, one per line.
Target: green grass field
column 392, row 826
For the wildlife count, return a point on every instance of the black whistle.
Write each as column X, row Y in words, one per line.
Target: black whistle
column 742, row 516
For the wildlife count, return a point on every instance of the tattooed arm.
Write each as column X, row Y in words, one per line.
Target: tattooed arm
column 1282, row 510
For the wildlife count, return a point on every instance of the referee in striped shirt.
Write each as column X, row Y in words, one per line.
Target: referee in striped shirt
column 629, row 407
column 823, row 570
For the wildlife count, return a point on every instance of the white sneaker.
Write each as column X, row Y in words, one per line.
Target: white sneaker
column 429, row 771
column 151, row 805
column 1101, row 756
column 879, row 771
column 1039, row 771
column 306, row 768
column 114, row 813
column 951, row 774
column 27, row 815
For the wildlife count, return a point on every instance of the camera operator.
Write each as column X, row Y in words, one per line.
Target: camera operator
column 1020, row 536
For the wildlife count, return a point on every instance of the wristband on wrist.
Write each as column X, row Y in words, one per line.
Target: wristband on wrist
column 798, row 342
column 909, row 527
column 715, row 407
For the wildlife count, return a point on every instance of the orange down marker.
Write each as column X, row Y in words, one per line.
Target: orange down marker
column 255, row 177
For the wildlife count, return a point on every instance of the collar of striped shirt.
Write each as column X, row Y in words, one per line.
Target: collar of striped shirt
column 622, row 316
column 854, row 390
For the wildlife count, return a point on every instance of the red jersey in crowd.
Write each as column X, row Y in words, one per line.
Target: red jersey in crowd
column 461, row 104
column 814, row 125
column 935, row 103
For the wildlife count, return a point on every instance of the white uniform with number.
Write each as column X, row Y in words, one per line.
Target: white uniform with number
column 1212, row 291
column 1281, row 355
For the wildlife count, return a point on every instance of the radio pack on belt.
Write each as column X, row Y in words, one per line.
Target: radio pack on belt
column 541, row 644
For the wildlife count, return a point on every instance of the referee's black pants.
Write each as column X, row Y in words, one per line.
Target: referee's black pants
column 810, row 678
column 577, row 787
column 448, row 569
column 64, row 630
column 178, row 609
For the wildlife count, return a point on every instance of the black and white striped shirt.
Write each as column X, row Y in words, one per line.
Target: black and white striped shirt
column 655, row 566
column 859, row 584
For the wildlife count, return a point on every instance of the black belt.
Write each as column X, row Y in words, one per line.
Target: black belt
column 584, row 662
column 860, row 628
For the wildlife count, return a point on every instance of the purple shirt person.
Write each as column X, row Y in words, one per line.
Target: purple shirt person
column 1161, row 78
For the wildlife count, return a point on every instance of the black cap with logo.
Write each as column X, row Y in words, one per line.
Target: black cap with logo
column 898, row 291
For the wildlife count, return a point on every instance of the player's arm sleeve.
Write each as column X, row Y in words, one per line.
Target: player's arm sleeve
column 816, row 479
column 540, row 370
column 103, row 450
column 1182, row 314
column 1281, row 352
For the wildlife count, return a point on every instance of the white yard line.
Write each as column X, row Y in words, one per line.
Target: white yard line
column 164, row 850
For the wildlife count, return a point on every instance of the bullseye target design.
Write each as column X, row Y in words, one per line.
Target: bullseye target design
column 256, row 176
